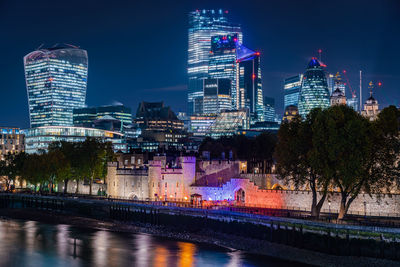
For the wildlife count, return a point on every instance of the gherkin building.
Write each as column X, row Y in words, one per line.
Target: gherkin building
column 314, row 89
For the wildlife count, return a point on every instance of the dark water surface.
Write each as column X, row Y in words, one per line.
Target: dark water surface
column 30, row 243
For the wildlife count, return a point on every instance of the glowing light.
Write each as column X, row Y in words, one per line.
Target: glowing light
column 226, row 11
column 253, row 76
column 185, row 198
column 209, row 198
column 379, row 84
column 319, row 50
column 344, row 71
column 257, row 53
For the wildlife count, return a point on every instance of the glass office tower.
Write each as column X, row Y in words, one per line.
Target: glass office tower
column 249, row 86
column 269, row 109
column 56, row 81
column 291, row 90
column 217, row 96
column 87, row 116
column 222, row 62
column 314, row 90
column 203, row 24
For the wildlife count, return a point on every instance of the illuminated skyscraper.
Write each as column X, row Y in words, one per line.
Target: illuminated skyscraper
column 291, row 89
column 269, row 109
column 249, row 86
column 56, row 81
column 203, row 24
column 222, row 62
column 216, row 96
column 314, row 90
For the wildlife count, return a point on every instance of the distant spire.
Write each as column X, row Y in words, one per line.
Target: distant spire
column 371, row 85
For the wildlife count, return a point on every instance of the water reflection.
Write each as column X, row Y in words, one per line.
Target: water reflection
column 186, row 254
column 28, row 243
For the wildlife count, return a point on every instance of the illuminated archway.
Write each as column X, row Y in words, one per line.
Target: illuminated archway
column 240, row 196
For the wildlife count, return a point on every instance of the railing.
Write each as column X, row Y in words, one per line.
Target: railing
column 354, row 218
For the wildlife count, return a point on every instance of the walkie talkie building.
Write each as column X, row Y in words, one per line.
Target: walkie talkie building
column 56, row 80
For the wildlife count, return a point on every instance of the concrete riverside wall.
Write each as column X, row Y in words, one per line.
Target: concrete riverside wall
column 343, row 240
column 287, row 199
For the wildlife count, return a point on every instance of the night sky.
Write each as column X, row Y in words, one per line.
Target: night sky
column 138, row 49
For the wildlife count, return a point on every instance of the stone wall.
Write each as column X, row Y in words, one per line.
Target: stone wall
column 127, row 183
column 82, row 188
column 290, row 199
column 263, row 181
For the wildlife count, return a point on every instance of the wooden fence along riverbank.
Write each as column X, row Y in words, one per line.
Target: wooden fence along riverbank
column 343, row 240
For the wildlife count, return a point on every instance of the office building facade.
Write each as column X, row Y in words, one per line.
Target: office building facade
column 56, row 80
column 291, row 88
column 87, row 116
column 229, row 123
column 203, row 24
column 12, row 140
column 222, row 62
column 249, row 85
column 314, row 90
column 200, row 124
column 353, row 102
column 269, row 109
column 39, row 138
column 216, row 96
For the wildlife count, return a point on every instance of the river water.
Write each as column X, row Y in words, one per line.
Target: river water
column 30, row 243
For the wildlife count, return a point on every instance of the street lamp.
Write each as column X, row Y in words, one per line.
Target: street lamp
column 365, row 209
column 329, row 203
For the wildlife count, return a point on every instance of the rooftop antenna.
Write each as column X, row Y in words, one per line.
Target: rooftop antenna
column 40, row 46
column 320, row 53
column 360, row 91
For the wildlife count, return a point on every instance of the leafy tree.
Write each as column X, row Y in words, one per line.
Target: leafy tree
column 385, row 152
column 348, row 153
column 10, row 167
column 31, row 169
column 95, row 155
column 296, row 160
column 67, row 153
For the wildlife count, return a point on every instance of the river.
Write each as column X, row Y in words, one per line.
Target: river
column 30, row 243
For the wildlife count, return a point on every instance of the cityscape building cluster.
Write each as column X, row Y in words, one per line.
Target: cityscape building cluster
column 225, row 96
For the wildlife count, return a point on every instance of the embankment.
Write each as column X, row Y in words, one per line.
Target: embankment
column 289, row 239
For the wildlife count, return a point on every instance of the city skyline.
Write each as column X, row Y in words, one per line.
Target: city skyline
column 133, row 81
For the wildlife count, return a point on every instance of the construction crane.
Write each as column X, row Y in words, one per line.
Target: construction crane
column 353, row 92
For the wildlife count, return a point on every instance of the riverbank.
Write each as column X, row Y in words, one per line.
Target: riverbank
column 206, row 236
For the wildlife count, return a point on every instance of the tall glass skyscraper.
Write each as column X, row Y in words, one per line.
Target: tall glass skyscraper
column 203, row 24
column 249, row 86
column 56, row 81
column 314, row 90
column 222, row 62
column 291, row 90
